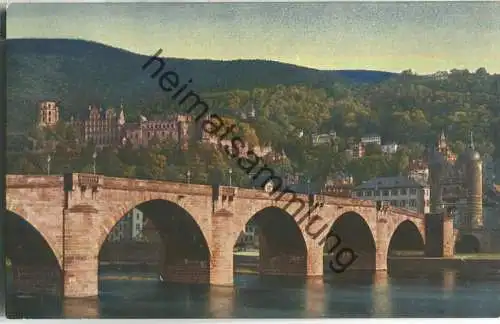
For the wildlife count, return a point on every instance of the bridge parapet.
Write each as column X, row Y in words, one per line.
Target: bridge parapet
column 408, row 212
column 156, row 186
column 343, row 201
column 89, row 180
column 277, row 196
column 29, row 181
column 225, row 191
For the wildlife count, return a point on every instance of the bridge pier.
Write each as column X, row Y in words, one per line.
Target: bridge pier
column 80, row 261
column 315, row 261
column 81, row 307
column 382, row 244
column 221, row 260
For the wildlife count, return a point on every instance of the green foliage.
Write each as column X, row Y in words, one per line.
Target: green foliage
column 291, row 104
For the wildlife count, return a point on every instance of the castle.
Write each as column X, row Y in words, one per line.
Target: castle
column 456, row 186
column 107, row 127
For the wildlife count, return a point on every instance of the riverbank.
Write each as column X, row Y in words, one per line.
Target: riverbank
column 247, row 263
column 464, row 263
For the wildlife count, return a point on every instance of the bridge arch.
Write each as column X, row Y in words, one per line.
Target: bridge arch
column 278, row 239
column 406, row 239
column 35, row 266
column 467, row 243
column 180, row 247
column 351, row 243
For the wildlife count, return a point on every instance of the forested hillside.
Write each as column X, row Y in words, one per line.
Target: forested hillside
column 288, row 101
column 77, row 72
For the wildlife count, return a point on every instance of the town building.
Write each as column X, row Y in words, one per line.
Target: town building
column 130, row 227
column 249, row 238
column 419, row 170
column 491, row 209
column 400, row 191
column 358, row 150
column 371, row 139
column 489, row 170
column 341, row 185
column 389, row 148
column 327, row 138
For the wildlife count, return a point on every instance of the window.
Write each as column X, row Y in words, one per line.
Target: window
column 402, row 203
column 385, row 192
column 359, row 193
column 413, row 203
column 377, row 193
column 413, row 191
column 403, row 191
column 368, row 193
column 394, row 192
column 394, row 203
column 138, row 227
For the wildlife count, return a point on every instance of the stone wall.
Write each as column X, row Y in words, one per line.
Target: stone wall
column 188, row 272
column 36, row 279
column 284, row 265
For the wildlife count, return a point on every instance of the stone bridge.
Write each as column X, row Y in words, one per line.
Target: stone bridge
column 56, row 226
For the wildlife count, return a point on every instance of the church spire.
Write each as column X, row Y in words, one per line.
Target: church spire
column 441, row 144
column 442, row 138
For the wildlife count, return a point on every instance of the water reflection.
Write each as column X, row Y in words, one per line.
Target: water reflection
column 81, row 308
column 381, row 294
column 221, row 301
column 449, row 280
column 315, row 301
column 360, row 294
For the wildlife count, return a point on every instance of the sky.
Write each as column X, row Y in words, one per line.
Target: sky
column 423, row 36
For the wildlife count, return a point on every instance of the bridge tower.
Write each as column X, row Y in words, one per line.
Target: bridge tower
column 474, row 182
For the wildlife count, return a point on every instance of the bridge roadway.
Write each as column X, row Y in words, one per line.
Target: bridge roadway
column 199, row 224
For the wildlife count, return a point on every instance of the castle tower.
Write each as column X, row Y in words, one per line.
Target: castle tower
column 94, row 113
column 183, row 122
column 436, row 167
column 121, row 117
column 473, row 167
column 48, row 114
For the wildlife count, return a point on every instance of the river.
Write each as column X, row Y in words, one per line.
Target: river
column 141, row 295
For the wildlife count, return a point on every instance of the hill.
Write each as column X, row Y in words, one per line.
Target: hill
column 78, row 73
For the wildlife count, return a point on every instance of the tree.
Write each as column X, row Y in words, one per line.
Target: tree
column 373, row 149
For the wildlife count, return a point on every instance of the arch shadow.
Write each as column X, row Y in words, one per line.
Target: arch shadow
column 406, row 240
column 350, row 245
column 156, row 236
column 271, row 244
column 33, row 267
column 467, row 244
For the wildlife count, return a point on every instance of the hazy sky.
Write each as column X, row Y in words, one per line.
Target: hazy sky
column 425, row 37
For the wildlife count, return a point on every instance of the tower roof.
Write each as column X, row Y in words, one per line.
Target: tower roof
column 470, row 153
